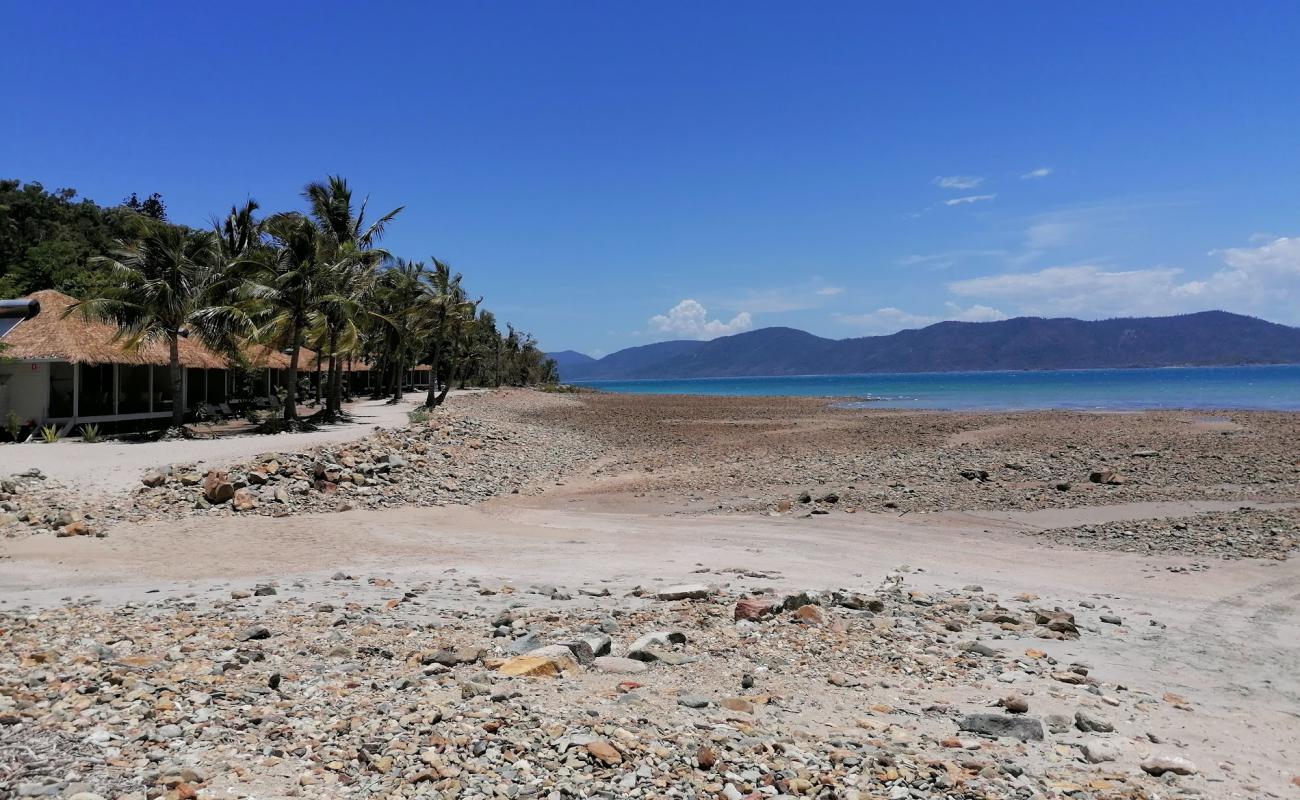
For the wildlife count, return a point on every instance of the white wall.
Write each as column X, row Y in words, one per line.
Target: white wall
column 26, row 389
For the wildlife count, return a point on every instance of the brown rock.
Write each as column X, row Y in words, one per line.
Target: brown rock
column 152, row 479
column 706, row 757
column 605, row 753
column 217, row 487
column 1107, row 476
column 75, row 528
column 244, row 500
column 810, row 615
column 1015, row 703
column 752, row 608
column 739, row 704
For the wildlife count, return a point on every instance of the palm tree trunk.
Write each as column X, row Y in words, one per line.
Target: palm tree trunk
column 397, row 380
column 431, row 401
column 318, row 387
column 178, row 402
column 330, row 408
column 291, row 377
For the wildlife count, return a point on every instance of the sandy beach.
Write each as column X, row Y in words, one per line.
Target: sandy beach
column 870, row 604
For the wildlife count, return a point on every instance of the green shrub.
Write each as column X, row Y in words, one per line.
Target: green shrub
column 90, row 433
column 420, row 415
column 13, row 425
column 50, row 434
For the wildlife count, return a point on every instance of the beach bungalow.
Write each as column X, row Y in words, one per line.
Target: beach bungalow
column 65, row 370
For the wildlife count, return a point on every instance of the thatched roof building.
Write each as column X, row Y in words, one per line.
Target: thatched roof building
column 51, row 336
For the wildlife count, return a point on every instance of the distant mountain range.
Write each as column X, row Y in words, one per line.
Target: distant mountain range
column 1030, row 343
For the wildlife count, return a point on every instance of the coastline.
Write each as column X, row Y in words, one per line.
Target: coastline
column 910, row 564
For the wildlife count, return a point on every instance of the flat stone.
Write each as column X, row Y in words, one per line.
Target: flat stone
column 1022, row 728
column 253, row 633
column 1159, row 765
column 1098, row 751
column 535, row 666
column 686, row 591
column 1088, row 722
column 605, row 753
column 614, row 665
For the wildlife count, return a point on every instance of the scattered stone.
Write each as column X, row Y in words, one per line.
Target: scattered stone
column 1159, row 765
column 1022, row 728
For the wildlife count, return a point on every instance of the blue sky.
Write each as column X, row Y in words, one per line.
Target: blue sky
column 614, row 174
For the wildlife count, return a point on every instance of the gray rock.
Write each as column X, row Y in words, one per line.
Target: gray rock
column 982, row 649
column 656, row 640
column 253, row 633
column 524, row 644
column 1159, row 765
column 614, row 665
column 170, row 732
column 1022, row 728
column 1088, row 722
column 686, row 591
column 1098, row 751
column 694, row 701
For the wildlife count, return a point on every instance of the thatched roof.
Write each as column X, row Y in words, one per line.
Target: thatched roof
column 51, row 336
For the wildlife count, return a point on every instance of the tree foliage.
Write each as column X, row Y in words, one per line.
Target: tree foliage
column 316, row 278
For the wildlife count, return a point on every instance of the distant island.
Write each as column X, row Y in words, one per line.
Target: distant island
column 1208, row 338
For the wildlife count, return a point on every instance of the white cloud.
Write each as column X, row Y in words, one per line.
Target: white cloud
column 970, row 198
column 1049, row 233
column 1279, row 256
column 948, row 258
column 957, row 181
column 691, row 320
column 891, row 319
column 1074, row 290
column 830, row 291
column 1034, row 174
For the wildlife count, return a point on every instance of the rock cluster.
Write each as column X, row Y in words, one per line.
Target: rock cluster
column 363, row 687
column 1245, row 533
column 29, row 502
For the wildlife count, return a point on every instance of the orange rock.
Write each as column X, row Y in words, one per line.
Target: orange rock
column 605, row 753
column 537, row 666
column 810, row 615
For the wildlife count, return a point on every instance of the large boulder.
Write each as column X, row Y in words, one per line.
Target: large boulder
column 217, row 487
column 1022, row 728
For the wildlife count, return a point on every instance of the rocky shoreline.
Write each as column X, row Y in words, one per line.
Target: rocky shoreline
column 362, row 687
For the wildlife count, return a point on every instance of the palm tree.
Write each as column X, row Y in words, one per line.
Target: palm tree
column 161, row 293
column 288, row 283
column 399, row 306
column 351, row 242
column 448, row 309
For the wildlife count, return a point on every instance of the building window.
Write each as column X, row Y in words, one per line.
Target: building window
column 96, row 390
column 60, row 390
column 133, row 390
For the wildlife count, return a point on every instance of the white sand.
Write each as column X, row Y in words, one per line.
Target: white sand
column 117, row 466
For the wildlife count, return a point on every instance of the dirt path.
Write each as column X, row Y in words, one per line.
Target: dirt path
column 117, row 466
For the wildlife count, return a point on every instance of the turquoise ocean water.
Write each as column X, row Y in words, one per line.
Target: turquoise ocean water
column 1262, row 387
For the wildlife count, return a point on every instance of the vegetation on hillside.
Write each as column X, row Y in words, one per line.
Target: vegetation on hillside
column 316, row 278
